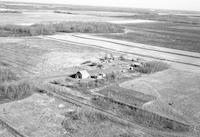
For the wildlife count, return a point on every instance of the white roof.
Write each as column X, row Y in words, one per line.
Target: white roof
column 84, row 73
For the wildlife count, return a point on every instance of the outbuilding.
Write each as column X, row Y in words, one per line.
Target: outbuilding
column 136, row 64
column 83, row 74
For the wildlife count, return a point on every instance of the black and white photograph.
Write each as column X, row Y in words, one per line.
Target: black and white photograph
column 99, row 68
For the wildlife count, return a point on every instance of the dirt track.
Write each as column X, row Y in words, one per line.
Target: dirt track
column 184, row 60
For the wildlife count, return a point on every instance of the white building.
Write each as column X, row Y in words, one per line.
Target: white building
column 83, row 74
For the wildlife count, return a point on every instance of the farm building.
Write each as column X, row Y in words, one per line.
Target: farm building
column 109, row 57
column 99, row 76
column 83, row 74
column 136, row 64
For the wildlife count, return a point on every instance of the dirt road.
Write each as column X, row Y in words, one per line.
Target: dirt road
column 184, row 60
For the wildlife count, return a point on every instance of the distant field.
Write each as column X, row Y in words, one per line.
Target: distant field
column 170, row 35
column 32, row 17
column 168, row 16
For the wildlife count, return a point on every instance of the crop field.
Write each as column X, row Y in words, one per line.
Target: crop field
column 83, row 71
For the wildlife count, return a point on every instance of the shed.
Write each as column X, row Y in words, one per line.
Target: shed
column 136, row 64
column 83, row 74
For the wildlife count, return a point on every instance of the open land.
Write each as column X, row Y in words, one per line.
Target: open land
column 83, row 71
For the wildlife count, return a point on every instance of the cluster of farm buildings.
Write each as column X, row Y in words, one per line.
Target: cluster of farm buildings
column 108, row 59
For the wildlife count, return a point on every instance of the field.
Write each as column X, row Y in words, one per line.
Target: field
column 179, row 89
column 34, row 56
column 181, row 36
column 41, row 113
column 82, row 71
column 33, row 17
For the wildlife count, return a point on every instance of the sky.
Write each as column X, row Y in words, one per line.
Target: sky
column 153, row 4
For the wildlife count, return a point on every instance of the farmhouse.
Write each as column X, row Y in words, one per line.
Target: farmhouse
column 83, row 74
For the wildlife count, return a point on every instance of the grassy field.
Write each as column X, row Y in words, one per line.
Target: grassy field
column 178, row 89
column 171, row 35
column 164, row 109
column 40, row 115
column 33, row 56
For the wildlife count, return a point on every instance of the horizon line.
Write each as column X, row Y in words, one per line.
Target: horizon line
column 100, row 6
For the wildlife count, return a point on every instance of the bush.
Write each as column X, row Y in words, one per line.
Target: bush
column 77, row 118
column 7, row 75
column 152, row 67
column 16, row 90
column 52, row 28
column 111, row 76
